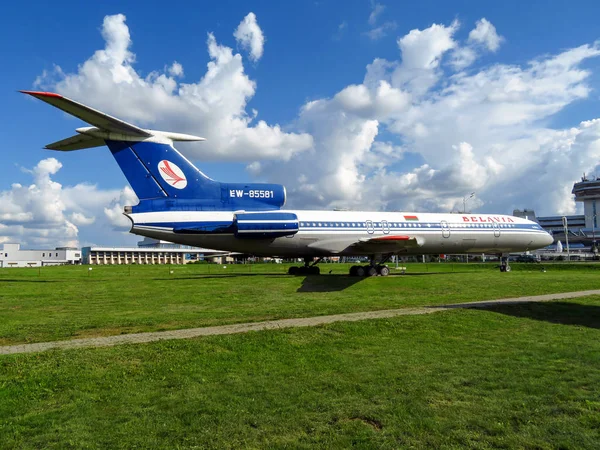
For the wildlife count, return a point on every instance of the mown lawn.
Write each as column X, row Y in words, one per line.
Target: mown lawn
column 515, row 376
column 65, row 302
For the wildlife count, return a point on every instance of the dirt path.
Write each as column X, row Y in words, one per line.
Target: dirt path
column 138, row 338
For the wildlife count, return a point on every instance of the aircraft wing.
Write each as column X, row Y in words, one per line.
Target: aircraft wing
column 87, row 114
column 378, row 244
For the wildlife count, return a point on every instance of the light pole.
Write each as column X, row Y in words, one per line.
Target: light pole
column 465, row 198
column 594, row 249
column 566, row 227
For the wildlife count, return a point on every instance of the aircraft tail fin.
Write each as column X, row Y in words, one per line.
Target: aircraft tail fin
column 147, row 158
column 155, row 170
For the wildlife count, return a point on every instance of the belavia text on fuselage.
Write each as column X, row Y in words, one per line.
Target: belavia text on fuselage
column 178, row 203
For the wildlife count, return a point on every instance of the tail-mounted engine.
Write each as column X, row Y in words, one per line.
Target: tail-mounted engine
column 265, row 224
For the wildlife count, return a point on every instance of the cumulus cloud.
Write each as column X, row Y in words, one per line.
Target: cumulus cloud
column 250, row 36
column 46, row 214
column 483, row 132
column 423, row 49
column 485, row 33
column 481, row 38
column 213, row 107
column 114, row 210
column 176, row 69
column 414, row 134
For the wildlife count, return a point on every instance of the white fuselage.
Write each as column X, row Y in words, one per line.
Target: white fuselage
column 325, row 233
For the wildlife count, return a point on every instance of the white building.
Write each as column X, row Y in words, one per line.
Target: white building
column 150, row 251
column 588, row 192
column 11, row 255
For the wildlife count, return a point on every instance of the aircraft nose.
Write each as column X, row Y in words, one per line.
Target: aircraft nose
column 546, row 240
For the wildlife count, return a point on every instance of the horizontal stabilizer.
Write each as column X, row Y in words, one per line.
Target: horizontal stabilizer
column 89, row 115
column 77, row 142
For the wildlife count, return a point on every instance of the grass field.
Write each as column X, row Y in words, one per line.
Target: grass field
column 512, row 376
column 515, row 376
column 56, row 303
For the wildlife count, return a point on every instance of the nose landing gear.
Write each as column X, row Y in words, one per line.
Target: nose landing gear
column 307, row 268
column 504, row 265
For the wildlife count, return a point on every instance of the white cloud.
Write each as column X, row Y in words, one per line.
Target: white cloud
column 423, row 49
column 413, row 135
column 485, row 33
column 463, row 57
column 176, row 69
column 45, row 214
column 114, row 211
column 213, row 107
column 480, row 132
column 376, row 10
column 377, row 32
column 381, row 31
column 481, row 38
column 80, row 219
column 250, row 36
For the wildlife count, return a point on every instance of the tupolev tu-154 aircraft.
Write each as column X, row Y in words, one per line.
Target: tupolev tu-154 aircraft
column 178, row 203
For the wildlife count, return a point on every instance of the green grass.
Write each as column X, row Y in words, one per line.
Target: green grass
column 57, row 303
column 517, row 376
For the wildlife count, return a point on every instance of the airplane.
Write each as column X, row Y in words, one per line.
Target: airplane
column 179, row 203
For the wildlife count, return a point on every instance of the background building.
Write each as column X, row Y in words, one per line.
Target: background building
column 581, row 228
column 588, row 192
column 11, row 255
column 151, row 251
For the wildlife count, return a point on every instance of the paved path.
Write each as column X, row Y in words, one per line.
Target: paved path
column 138, row 338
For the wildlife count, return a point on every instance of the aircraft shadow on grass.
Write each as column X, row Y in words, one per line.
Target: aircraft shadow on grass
column 327, row 283
column 564, row 313
column 334, row 283
column 310, row 283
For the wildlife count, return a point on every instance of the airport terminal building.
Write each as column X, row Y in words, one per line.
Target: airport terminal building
column 148, row 251
column 580, row 228
column 11, row 255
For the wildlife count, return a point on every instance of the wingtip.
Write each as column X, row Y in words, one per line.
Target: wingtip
column 41, row 94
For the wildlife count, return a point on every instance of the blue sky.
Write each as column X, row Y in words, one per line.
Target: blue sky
column 312, row 51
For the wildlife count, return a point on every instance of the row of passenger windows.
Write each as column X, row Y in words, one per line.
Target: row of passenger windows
column 403, row 225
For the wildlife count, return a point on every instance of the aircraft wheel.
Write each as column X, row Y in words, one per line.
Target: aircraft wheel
column 360, row 271
column 370, row 271
column 353, row 271
column 384, row 271
column 314, row 270
column 293, row 270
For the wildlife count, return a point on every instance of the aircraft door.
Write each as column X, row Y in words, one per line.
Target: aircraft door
column 445, row 229
column 385, row 227
column 370, row 228
column 496, row 229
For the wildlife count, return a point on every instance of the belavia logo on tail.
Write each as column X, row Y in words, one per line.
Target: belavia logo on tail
column 172, row 174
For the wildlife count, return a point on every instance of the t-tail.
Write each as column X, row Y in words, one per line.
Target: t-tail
column 162, row 178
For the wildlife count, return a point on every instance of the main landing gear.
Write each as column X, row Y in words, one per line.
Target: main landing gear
column 307, row 268
column 504, row 266
column 372, row 268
